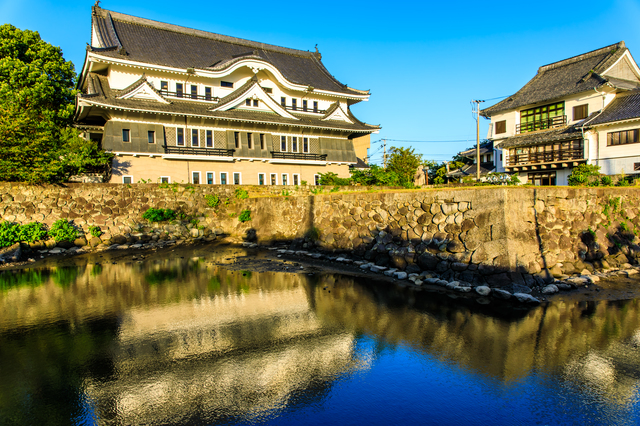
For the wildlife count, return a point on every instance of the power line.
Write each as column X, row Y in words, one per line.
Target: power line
column 403, row 140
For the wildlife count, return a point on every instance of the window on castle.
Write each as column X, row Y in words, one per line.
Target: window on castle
column 126, row 135
column 256, row 102
column 194, row 137
column 261, row 140
column 283, row 101
column 151, row 136
column 180, row 136
column 247, row 102
column 283, row 143
column 304, row 105
column 268, row 90
column 209, row 138
column 179, row 90
column 294, row 104
column 294, row 144
column 207, row 93
column 249, row 140
column 315, row 106
column 164, row 85
column 194, row 91
column 226, row 84
column 305, row 144
column 236, row 138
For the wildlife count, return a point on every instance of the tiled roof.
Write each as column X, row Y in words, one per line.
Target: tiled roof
column 623, row 107
column 485, row 148
column 157, row 43
column 471, row 170
column 108, row 98
column 543, row 136
column 553, row 81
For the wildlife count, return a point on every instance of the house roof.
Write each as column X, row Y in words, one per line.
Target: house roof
column 624, row 107
column 543, row 136
column 471, row 170
column 573, row 75
column 105, row 97
column 143, row 40
column 485, row 148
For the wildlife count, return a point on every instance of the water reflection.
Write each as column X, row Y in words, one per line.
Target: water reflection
column 184, row 341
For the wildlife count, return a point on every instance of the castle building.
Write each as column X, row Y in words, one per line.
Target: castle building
column 176, row 104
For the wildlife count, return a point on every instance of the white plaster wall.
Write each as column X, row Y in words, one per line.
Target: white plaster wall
column 617, row 159
column 511, row 118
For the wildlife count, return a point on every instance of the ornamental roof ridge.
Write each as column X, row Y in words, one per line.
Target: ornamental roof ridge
column 198, row 33
column 612, row 48
column 238, row 92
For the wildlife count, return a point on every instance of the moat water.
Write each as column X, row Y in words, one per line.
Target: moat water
column 186, row 342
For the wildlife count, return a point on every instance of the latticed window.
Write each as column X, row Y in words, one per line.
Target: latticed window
column 580, row 112
column 542, row 117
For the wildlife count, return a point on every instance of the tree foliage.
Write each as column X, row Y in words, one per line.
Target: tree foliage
column 36, row 104
column 404, row 163
column 585, row 174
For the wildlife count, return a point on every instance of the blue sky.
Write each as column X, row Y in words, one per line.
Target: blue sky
column 423, row 61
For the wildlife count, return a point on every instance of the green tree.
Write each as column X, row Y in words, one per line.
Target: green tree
column 404, row 162
column 585, row 174
column 374, row 176
column 36, row 110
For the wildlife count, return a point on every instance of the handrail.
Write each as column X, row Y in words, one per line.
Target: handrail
column 298, row 156
column 549, row 123
column 218, row 152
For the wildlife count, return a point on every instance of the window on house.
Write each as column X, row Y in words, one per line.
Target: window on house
column 261, row 140
column 294, row 144
column 194, row 138
column 209, row 138
column 542, row 179
column 296, row 179
column 236, row 138
column 250, row 140
column 636, row 167
column 256, row 103
column 236, row 179
column 304, row 105
column 285, row 179
column 283, row 143
column 179, row 90
column 210, row 178
column 151, row 136
column 226, row 84
column 294, row 104
column 165, row 179
column 260, row 178
column 195, row 177
column 223, row 178
column 501, row 127
column 543, row 117
column 164, row 86
column 194, row 91
column 274, row 179
column 315, row 106
column 180, row 136
column 268, row 90
column 305, row 144
column 316, row 179
column 127, row 179
column 283, row 101
column 126, row 135
column 623, row 138
column 207, row 93
column 247, row 102
column 580, row 112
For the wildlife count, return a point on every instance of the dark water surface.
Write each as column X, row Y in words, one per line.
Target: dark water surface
column 183, row 341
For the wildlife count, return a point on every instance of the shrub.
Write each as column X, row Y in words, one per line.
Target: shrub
column 32, row 231
column 584, row 174
column 159, row 215
column 245, row 216
column 95, row 231
column 8, row 233
column 606, row 181
column 241, row 194
column 63, row 230
column 303, row 182
column 212, row 200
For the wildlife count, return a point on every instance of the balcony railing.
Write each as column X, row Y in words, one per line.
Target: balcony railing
column 304, row 109
column 216, row 152
column 549, row 123
column 298, row 156
column 545, row 157
column 187, row 95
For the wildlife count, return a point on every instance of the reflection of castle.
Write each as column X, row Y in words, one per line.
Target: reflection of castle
column 192, row 340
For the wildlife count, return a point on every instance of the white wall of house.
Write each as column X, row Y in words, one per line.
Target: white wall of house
column 617, row 159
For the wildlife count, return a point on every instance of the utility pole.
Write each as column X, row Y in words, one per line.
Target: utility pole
column 384, row 155
column 477, row 111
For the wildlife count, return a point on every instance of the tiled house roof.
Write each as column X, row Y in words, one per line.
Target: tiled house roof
column 623, row 107
column 563, row 78
column 485, row 148
column 152, row 42
column 534, row 138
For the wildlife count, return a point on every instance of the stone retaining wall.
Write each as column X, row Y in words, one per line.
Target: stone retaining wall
column 493, row 235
